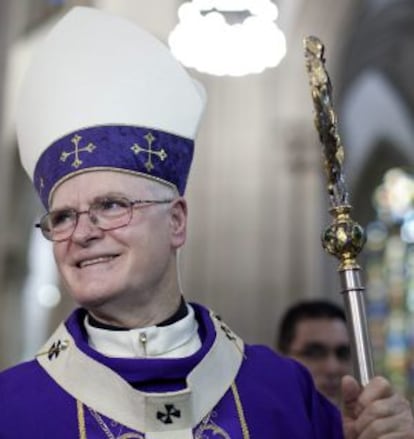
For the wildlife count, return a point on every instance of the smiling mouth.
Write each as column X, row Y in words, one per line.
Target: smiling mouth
column 94, row 261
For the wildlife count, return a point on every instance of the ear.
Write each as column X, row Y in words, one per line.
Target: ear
column 178, row 222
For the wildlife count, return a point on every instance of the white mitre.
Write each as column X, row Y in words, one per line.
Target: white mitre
column 102, row 93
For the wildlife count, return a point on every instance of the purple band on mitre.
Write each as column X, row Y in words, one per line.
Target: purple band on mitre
column 144, row 151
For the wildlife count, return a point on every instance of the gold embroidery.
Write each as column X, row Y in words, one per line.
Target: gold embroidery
column 102, row 425
column 77, row 161
column 160, row 153
column 208, row 425
column 81, row 420
column 240, row 412
column 229, row 334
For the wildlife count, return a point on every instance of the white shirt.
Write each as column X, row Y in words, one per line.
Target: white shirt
column 180, row 339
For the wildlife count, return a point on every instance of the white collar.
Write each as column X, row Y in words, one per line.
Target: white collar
column 177, row 340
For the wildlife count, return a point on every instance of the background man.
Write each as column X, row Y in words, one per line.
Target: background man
column 315, row 333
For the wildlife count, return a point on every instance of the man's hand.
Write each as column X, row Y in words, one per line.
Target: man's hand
column 375, row 411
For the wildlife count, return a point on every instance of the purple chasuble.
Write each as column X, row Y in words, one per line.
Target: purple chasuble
column 271, row 397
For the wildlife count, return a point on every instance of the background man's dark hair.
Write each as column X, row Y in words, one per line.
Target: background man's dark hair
column 312, row 309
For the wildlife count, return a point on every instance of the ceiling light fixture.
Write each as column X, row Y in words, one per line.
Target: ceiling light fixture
column 228, row 37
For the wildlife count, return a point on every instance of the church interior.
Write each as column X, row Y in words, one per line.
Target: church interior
column 257, row 191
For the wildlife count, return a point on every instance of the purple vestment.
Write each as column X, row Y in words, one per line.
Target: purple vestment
column 271, row 396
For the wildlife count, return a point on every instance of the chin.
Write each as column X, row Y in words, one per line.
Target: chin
column 89, row 301
column 92, row 295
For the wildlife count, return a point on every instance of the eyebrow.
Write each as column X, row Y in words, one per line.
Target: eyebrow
column 100, row 197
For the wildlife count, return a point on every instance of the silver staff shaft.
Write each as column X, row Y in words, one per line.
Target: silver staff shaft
column 343, row 238
column 354, row 301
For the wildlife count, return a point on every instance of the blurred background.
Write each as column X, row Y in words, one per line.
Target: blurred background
column 257, row 197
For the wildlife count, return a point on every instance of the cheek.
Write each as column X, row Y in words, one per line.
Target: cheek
column 155, row 238
column 59, row 250
column 142, row 247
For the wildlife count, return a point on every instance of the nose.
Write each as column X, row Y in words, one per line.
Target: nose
column 85, row 228
column 334, row 366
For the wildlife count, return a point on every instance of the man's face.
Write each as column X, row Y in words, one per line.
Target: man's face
column 322, row 346
column 123, row 267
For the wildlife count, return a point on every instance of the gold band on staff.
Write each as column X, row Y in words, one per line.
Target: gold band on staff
column 343, row 238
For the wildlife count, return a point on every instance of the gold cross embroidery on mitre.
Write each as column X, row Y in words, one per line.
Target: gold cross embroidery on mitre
column 77, row 161
column 160, row 152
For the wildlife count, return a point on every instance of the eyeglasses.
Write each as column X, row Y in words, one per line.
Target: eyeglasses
column 108, row 213
column 319, row 351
